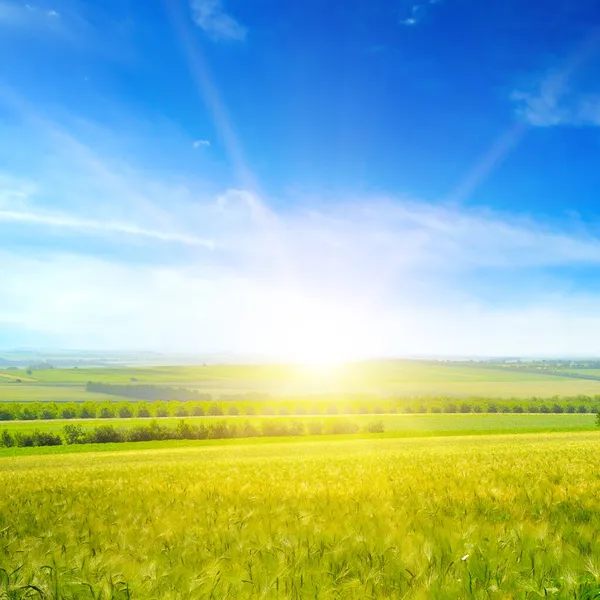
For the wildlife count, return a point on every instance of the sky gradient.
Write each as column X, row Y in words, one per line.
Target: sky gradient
column 328, row 180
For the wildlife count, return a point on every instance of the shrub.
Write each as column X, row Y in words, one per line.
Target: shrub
column 504, row 408
column 104, row 434
column 570, row 408
column 517, row 408
column 275, row 428
column 315, row 427
column 74, row 434
column 250, row 430
column 375, row 427
column 233, row 411
column 557, row 408
column 477, row 408
column 465, row 407
column 544, row 408
column 582, row 408
column 341, row 426
column 332, row 409
column 198, row 411
column 46, row 438
column 300, row 409
column 492, row 408
column 533, row 408
column 450, row 408
column 436, row 409
column 6, row 439
column 162, row 412
column 249, row 410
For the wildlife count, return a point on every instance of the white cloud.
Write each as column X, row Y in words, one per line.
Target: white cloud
column 554, row 99
column 17, row 14
column 417, row 12
column 201, row 143
column 58, row 221
column 368, row 276
column 212, row 18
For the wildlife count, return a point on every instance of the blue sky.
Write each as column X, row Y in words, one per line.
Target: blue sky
column 296, row 180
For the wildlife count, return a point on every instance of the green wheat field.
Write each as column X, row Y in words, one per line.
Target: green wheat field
column 481, row 504
column 477, row 517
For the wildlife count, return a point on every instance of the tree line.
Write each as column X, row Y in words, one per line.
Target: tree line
column 154, row 431
column 31, row 411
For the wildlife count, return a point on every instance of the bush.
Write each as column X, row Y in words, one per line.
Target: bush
column 517, row 408
column 104, row 434
column 46, row 438
column 570, row 408
column 492, row 408
column 233, row 411
column 544, row 408
column 143, row 412
column 557, row 408
column 198, row 411
column 74, row 434
column 504, row 408
column 341, row 426
column 582, row 408
column 375, row 427
column 315, row 427
column 533, row 408
column 436, row 409
column 477, row 408
column 214, row 410
column 6, row 439
column 465, row 407
column 450, row 408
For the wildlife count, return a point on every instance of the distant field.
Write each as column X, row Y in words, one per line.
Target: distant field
column 46, row 393
column 395, row 425
column 388, row 378
column 481, row 517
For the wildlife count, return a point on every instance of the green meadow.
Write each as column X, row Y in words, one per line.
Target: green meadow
column 378, row 377
column 395, row 425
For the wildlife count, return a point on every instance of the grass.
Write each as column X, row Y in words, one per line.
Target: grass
column 425, row 425
column 480, row 517
column 50, row 393
column 392, row 377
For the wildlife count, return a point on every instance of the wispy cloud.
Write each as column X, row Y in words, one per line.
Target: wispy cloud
column 201, row 144
column 554, row 100
column 210, row 15
column 17, row 14
column 417, row 12
column 100, row 227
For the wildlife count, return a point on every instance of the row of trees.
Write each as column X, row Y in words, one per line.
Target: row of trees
column 30, row 411
column 154, row 431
